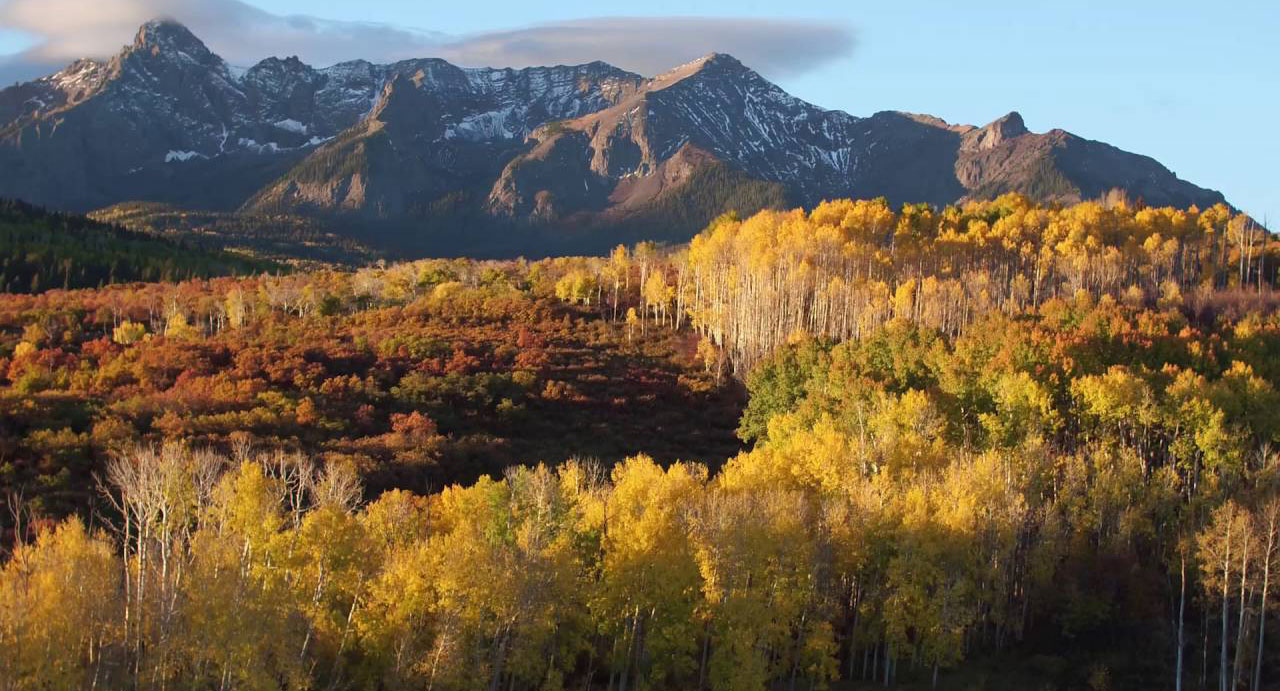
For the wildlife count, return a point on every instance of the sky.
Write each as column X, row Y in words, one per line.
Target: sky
column 1195, row 85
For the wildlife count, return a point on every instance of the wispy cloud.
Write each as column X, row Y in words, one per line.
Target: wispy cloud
column 64, row 30
column 650, row 45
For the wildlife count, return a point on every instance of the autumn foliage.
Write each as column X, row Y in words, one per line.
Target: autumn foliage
column 1032, row 439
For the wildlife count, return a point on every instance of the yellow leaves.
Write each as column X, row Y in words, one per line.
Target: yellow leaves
column 446, row 291
column 619, row 259
column 757, row 280
column 36, row 334
column 576, row 286
column 709, row 354
column 819, row 459
column 58, row 606
column 502, row 563
column 1023, row 409
column 818, row 653
column 331, row 561
column 904, row 300
column 178, row 327
column 246, row 505
column 798, row 336
column 657, row 293
column 396, row 625
column 128, row 333
column 757, row 558
column 1118, row 397
column 908, row 432
column 648, row 563
column 931, row 598
column 1170, row 294
column 1225, row 532
column 237, row 309
column 238, row 614
column 25, row 349
column 646, row 516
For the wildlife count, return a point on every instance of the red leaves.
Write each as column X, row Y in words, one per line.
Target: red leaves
column 460, row 362
column 414, row 425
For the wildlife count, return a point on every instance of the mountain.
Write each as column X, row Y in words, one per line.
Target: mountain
column 717, row 109
column 167, row 120
column 434, row 128
column 424, row 156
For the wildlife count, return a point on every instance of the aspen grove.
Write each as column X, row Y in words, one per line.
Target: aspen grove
column 846, row 447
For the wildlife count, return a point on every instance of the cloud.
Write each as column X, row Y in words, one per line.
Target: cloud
column 64, row 30
column 650, row 45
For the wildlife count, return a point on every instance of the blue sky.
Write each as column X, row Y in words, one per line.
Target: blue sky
column 1195, row 85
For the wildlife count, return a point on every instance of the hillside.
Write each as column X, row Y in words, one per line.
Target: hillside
column 41, row 250
column 995, row 445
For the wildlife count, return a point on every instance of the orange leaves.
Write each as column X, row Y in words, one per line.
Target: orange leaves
column 415, row 425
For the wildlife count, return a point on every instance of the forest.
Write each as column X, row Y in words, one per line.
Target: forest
column 40, row 250
column 997, row 445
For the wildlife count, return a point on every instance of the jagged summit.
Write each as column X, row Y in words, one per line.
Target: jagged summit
column 715, row 60
column 997, row 132
column 424, row 141
column 709, row 64
column 169, row 34
column 162, row 29
column 1010, row 125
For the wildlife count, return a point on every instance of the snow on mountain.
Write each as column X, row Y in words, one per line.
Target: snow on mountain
column 168, row 120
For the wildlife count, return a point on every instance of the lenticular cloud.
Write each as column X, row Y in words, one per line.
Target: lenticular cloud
column 649, row 45
column 64, row 30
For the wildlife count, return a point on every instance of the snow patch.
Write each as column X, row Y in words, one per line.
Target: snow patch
column 253, row 145
column 182, row 156
column 496, row 124
column 291, row 125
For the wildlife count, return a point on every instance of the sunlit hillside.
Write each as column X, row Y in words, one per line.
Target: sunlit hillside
column 994, row 445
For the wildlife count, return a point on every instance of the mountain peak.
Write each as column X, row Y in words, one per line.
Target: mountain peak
column 997, row 132
column 707, row 65
column 721, row 62
column 164, row 35
column 1010, row 125
column 714, row 58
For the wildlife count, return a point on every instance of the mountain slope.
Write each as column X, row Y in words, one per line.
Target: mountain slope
column 1059, row 166
column 40, row 250
column 431, row 157
column 434, row 129
column 717, row 110
column 167, row 120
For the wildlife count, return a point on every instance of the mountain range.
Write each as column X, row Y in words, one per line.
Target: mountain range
column 423, row 156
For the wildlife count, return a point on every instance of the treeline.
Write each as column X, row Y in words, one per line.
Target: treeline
column 1089, row 489
column 40, row 250
column 711, row 190
column 846, row 267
